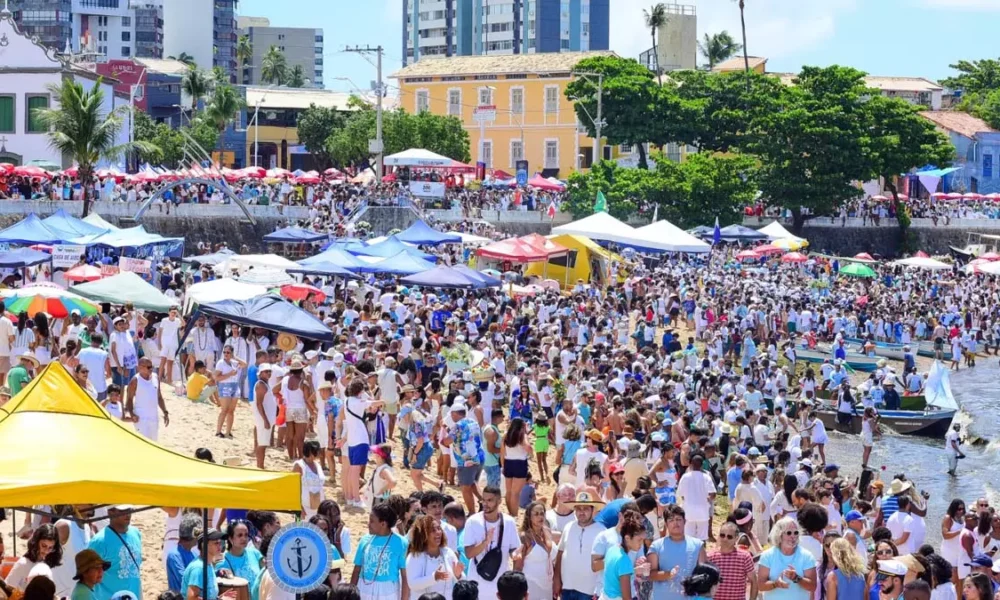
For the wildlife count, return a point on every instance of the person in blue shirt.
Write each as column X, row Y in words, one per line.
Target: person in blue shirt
column 242, row 559
column 381, row 558
column 194, row 574
column 181, row 556
column 121, row 545
column 619, row 573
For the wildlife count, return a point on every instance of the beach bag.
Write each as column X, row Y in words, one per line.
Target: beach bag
column 280, row 419
column 489, row 565
column 368, row 493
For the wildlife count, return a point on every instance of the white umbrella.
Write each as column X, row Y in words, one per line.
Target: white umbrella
column 266, row 277
column 920, row 262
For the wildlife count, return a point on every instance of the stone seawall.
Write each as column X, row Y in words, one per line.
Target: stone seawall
column 885, row 240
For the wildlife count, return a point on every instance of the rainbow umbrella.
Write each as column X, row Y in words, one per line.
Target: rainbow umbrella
column 54, row 302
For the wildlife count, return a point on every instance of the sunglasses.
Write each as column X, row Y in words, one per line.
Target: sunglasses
column 727, row 536
column 791, row 533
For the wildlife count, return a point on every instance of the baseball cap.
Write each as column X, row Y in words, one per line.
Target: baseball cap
column 854, row 515
column 891, row 567
column 980, row 560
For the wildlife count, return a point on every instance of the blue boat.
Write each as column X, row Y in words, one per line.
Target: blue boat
column 883, row 349
column 858, row 362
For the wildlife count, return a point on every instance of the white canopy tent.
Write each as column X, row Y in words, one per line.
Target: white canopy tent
column 920, row 262
column 681, row 240
column 245, row 261
column 418, row 157
column 776, row 231
column 603, row 227
column 221, row 289
column 468, row 238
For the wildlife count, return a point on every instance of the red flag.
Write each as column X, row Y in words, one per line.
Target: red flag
column 517, row 198
column 552, row 210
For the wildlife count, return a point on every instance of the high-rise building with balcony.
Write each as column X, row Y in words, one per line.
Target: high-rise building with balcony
column 301, row 46
column 148, row 20
column 50, row 21
column 224, row 36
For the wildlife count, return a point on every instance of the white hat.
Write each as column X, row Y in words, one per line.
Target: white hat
column 311, row 354
column 892, row 567
column 264, row 367
column 338, row 357
column 458, row 407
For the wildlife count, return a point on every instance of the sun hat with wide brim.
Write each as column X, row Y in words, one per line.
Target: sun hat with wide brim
column 585, row 499
column 898, row 487
column 88, row 559
column 30, row 357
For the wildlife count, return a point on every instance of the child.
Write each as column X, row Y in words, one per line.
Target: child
column 541, row 428
column 199, row 384
column 113, row 404
column 383, row 479
column 454, row 515
column 527, row 493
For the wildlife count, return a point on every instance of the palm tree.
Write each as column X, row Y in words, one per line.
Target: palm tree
column 81, row 130
column 196, row 84
column 185, row 58
column 219, row 76
column 656, row 17
column 244, row 52
column 717, row 48
column 296, row 77
column 743, row 26
column 274, row 66
column 223, row 107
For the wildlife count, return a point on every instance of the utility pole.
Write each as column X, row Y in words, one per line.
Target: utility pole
column 599, row 121
column 375, row 146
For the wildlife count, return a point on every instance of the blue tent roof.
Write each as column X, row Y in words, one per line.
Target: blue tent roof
column 421, row 233
column 739, row 233
column 23, row 257
column 324, row 268
column 938, row 172
column 338, row 257
column 31, row 230
column 69, row 226
column 442, row 277
column 486, row 280
column 401, row 264
column 348, row 244
column 391, row 247
column 294, row 235
column 268, row 311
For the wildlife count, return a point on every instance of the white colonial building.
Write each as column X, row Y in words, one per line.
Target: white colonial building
column 27, row 69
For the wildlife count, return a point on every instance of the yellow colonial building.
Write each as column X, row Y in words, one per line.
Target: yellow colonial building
column 530, row 119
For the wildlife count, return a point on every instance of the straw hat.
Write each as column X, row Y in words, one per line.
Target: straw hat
column 87, row 560
column 898, row 487
column 30, row 357
column 287, row 341
column 586, row 499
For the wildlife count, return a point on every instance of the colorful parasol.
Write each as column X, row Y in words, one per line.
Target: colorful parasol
column 84, row 273
column 990, row 256
column 301, row 291
column 54, row 302
column 794, row 257
column 857, row 270
column 790, row 243
column 768, row 249
column 747, row 255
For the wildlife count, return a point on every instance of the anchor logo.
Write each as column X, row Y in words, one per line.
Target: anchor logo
column 301, row 565
column 4, row 42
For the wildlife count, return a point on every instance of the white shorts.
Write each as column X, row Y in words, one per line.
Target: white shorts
column 263, row 435
column 148, row 427
column 697, row 529
column 322, row 433
column 169, row 350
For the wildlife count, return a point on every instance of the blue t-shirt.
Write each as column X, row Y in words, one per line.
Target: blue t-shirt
column 126, row 561
column 608, row 516
column 382, row 556
column 177, row 560
column 733, row 478
column 616, row 564
column 776, row 562
column 193, row 576
column 246, row 566
column 669, row 553
column 252, row 380
column 461, row 550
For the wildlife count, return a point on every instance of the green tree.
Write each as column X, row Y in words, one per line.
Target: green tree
column 655, row 18
column 244, row 54
column 219, row 77
column 185, row 58
column 296, row 77
column 705, row 186
column 224, row 106
column 718, row 47
column 989, row 109
column 315, row 126
column 166, row 144
column 195, row 84
column 974, row 77
column 274, row 66
column 81, row 130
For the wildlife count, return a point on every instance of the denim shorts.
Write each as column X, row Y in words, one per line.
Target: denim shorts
column 358, row 455
column 423, row 457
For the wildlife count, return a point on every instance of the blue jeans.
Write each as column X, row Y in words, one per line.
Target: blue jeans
column 122, row 380
column 574, row 595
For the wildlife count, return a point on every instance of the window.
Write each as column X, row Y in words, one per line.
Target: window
column 551, row 154
column 423, row 101
column 517, row 101
column 126, row 21
column 126, row 36
column 126, row 51
column 34, row 124
column 625, row 149
column 987, row 166
column 485, row 96
column 455, row 103
column 551, row 99
column 7, row 105
column 99, row 3
column 487, row 153
column 516, row 152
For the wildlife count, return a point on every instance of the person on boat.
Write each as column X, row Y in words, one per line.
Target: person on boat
column 890, row 395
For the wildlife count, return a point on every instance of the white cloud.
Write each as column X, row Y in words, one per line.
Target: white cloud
column 775, row 28
column 975, row 5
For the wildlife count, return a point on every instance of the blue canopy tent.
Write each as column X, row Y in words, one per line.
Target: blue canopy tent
column 401, row 264
column 137, row 242
column 211, row 259
column 23, row 257
column 444, row 278
column 391, row 247
column 487, row 280
column 294, row 235
column 30, row 230
column 268, row 311
column 349, row 244
column 421, row 233
column 702, row 231
column 71, row 227
column 340, row 258
column 327, row 269
column 739, row 233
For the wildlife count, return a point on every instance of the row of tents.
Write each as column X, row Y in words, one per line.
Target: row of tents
column 64, row 228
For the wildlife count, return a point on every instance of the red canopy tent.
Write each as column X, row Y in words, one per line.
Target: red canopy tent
column 31, row 171
column 544, row 184
column 499, row 174
column 546, row 244
column 520, row 250
column 794, row 257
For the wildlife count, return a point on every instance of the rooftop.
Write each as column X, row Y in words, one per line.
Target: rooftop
column 546, row 62
column 166, row 66
column 738, row 64
column 961, row 123
column 296, row 98
column 886, row 84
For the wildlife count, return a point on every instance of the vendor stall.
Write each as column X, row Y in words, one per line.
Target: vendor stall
column 123, row 288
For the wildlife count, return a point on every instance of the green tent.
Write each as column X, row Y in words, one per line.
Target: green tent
column 857, row 270
column 125, row 287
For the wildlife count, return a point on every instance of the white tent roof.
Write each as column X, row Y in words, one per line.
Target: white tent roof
column 667, row 232
column 468, row 238
column 417, row 157
column 603, row 227
column 920, row 262
column 98, row 221
column 222, row 289
column 776, row 231
column 271, row 261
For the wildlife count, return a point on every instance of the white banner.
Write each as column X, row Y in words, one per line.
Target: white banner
column 109, row 270
column 67, row 256
column 427, row 189
column 135, row 265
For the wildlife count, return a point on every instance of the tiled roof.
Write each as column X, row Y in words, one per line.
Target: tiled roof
column 545, row 62
column 737, row 63
column 961, row 123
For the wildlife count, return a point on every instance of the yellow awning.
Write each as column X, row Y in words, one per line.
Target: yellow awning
column 62, row 447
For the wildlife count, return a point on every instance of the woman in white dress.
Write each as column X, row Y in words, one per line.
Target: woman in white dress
column 817, row 432
column 43, row 339
column 24, row 337
column 312, row 478
column 431, row 566
column 534, row 557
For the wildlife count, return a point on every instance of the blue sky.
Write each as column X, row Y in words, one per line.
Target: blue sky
column 883, row 37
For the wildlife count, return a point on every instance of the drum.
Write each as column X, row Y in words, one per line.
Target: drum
column 234, row 588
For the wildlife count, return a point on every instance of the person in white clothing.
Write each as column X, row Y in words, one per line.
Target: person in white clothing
column 142, row 399
column 431, row 566
column 312, row 478
column 7, row 339
column 574, row 549
column 74, row 535
column 167, row 340
column 696, row 494
column 265, row 412
column 485, row 531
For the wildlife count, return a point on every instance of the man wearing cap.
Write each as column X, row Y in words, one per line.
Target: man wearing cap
column 890, row 578
column 570, row 581
column 90, row 568
column 194, row 584
column 855, row 533
column 982, row 563
column 121, row 545
column 183, row 554
column 467, row 453
column 144, row 396
column 73, row 330
column 265, row 411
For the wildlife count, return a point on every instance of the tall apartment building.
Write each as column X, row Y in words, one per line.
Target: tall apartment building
column 105, row 29
column 204, row 30
column 481, row 27
column 224, row 36
column 301, row 46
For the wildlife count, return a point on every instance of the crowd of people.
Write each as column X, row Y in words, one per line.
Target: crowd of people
column 668, row 414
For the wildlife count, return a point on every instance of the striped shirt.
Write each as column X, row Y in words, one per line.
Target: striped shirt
column 734, row 567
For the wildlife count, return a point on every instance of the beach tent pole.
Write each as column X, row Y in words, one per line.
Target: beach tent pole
column 13, row 530
column 204, row 553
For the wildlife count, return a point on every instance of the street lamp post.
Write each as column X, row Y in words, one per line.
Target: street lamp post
column 599, row 122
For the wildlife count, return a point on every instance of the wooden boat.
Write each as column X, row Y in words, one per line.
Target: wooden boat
column 858, row 362
column 929, row 423
column 883, row 349
column 926, row 348
column 906, row 402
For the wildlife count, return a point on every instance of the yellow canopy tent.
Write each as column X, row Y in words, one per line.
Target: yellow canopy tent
column 62, row 447
column 586, row 260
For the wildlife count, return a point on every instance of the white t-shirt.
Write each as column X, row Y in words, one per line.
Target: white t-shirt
column 576, row 544
column 168, row 331
column 475, row 533
column 583, row 458
column 900, row 523
column 692, row 493
column 951, row 436
column 357, row 431
column 94, row 359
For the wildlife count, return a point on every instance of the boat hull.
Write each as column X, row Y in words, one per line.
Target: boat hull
column 915, row 403
column 883, row 349
column 865, row 364
column 933, row 423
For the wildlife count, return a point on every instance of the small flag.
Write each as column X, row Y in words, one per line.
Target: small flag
column 656, row 211
column 716, row 233
column 517, row 198
column 601, row 205
column 552, row 209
